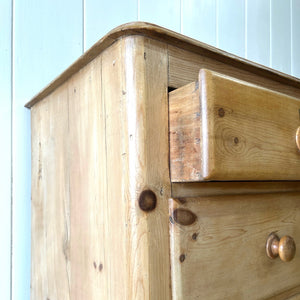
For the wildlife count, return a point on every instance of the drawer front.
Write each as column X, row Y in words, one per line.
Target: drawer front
column 222, row 128
column 218, row 246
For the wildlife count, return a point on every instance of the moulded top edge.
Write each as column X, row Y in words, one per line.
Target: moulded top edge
column 169, row 37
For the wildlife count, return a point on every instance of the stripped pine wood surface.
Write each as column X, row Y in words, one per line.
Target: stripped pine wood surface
column 101, row 187
column 222, row 128
column 89, row 243
column 218, row 246
column 213, row 188
column 50, row 225
column 93, row 138
column 184, row 66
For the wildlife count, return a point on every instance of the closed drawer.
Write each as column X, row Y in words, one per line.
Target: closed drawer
column 218, row 246
column 222, row 128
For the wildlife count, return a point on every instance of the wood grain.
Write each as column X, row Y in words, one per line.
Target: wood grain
column 174, row 39
column 295, row 297
column 184, row 68
column 222, row 255
column 290, row 294
column 137, row 160
column 89, row 245
column 146, row 157
column 185, row 133
column 50, row 224
column 228, row 129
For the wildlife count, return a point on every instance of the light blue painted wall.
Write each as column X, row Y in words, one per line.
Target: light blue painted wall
column 5, row 155
column 257, row 34
column 164, row 13
column 281, row 35
column 295, row 29
column 199, row 20
column 231, row 26
column 49, row 35
column 102, row 16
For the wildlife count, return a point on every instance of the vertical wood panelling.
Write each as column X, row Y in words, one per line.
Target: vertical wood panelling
column 231, row 26
column 5, row 157
column 102, row 16
column 113, row 83
column 47, row 38
column 135, row 112
column 258, row 31
column 281, row 35
column 295, row 9
column 88, row 202
column 164, row 13
column 199, row 20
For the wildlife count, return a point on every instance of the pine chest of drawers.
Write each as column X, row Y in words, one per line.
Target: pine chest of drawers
column 163, row 168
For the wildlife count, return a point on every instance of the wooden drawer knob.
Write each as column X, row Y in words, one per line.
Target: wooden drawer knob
column 298, row 138
column 284, row 247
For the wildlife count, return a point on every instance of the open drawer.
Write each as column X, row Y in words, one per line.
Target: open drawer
column 222, row 128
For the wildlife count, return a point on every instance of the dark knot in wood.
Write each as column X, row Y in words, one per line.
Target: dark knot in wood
column 147, row 201
column 184, row 216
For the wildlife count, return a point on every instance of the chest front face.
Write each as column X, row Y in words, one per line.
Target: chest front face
column 235, row 166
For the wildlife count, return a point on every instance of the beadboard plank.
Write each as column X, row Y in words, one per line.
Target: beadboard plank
column 258, row 31
column 102, row 16
column 199, row 20
column 231, row 26
column 281, row 35
column 164, row 13
column 47, row 38
column 295, row 38
column 5, row 157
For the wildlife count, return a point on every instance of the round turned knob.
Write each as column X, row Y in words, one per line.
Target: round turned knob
column 298, row 138
column 284, row 247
